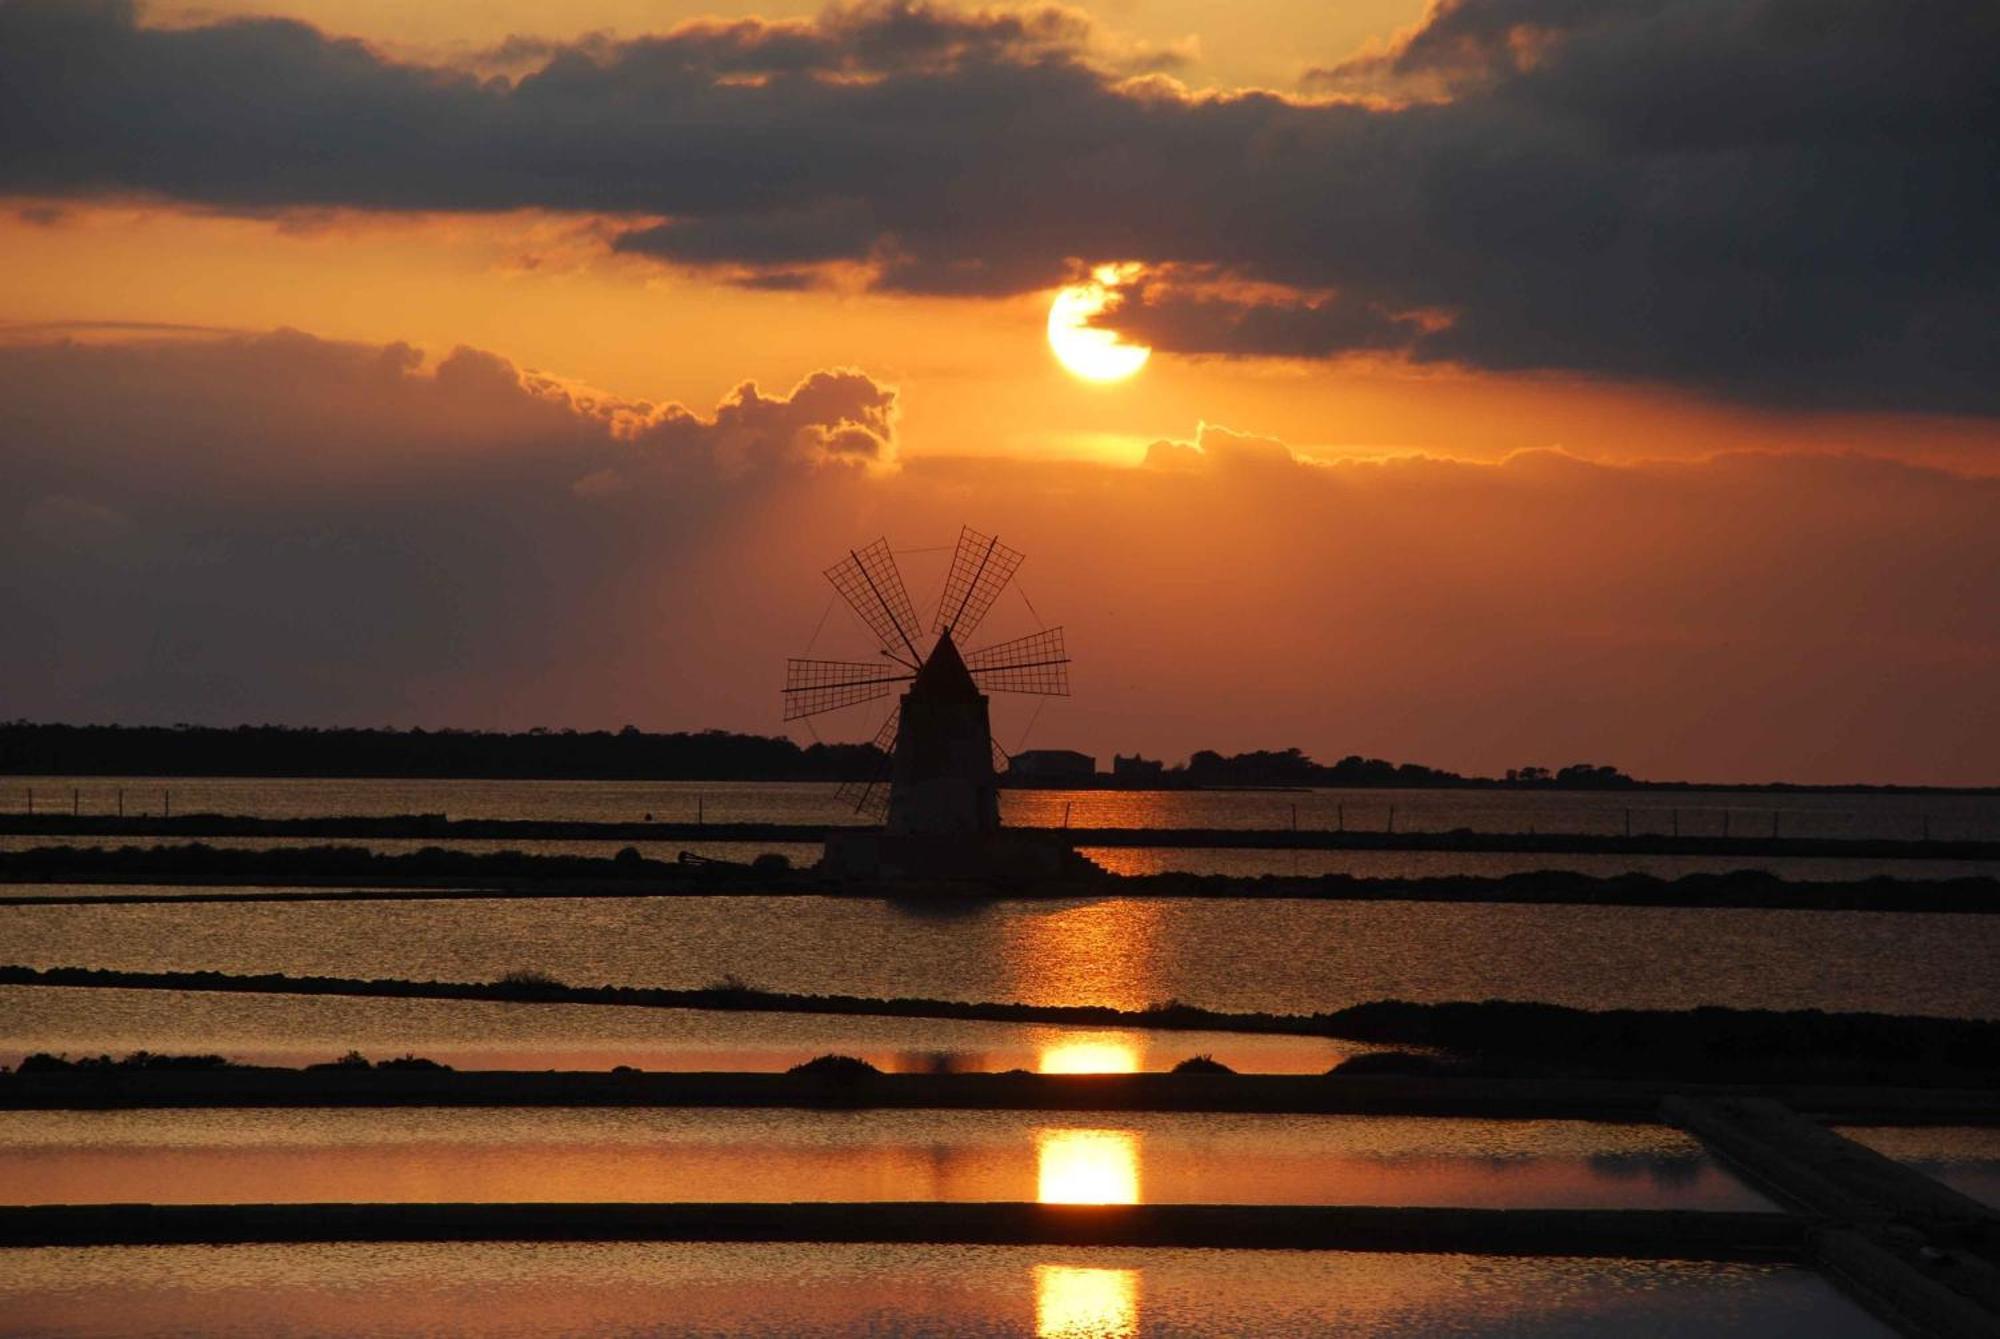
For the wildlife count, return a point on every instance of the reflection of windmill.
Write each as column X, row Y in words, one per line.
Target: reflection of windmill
column 938, row 744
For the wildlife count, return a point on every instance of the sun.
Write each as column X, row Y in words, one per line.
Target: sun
column 1085, row 350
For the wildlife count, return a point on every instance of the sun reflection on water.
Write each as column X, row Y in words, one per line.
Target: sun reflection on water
column 1087, row 1167
column 1090, row 1056
column 1074, row 1303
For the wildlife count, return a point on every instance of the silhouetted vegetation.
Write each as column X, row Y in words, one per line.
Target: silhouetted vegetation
column 356, row 1062
column 836, row 1067
column 352, row 1060
column 1389, row 1062
column 1202, row 1064
column 41, row 1062
column 529, row 983
column 1291, row 767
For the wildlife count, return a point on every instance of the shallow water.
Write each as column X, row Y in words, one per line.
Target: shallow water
column 653, row 1155
column 476, row 1034
column 1966, row 1158
column 500, row 1291
column 1692, row 813
column 1288, row 957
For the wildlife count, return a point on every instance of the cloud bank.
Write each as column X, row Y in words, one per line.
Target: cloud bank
column 1772, row 200
column 285, row 528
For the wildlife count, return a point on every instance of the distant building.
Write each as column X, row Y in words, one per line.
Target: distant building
column 1052, row 765
column 1136, row 768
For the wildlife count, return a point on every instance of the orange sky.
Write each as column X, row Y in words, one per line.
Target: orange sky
column 1630, row 591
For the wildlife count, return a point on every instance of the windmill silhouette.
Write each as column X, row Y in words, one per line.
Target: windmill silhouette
column 938, row 777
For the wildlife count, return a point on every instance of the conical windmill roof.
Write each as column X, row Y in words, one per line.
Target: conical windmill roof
column 944, row 677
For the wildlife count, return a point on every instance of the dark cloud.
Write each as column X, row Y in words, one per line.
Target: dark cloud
column 1171, row 319
column 1788, row 201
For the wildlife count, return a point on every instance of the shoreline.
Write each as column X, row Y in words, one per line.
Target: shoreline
column 1504, row 1039
column 442, row 828
column 1624, row 1101
column 349, row 873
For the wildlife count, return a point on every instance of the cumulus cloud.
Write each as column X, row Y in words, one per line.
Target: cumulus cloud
column 1217, row 447
column 286, row 528
column 1781, row 202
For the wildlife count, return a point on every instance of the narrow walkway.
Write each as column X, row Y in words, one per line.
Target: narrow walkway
column 1917, row 1253
column 1605, row 1233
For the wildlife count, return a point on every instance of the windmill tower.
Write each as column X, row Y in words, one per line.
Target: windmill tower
column 940, row 786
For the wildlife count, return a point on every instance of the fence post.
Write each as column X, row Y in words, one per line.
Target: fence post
column 1340, row 817
column 1392, row 818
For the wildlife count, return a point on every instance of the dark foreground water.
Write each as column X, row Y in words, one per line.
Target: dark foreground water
column 1288, row 957
column 820, row 1292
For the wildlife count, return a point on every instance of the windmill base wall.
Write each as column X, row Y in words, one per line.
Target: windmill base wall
column 941, row 782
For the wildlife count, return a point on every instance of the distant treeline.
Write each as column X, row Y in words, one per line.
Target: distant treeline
column 1291, row 767
column 28, row 749
column 31, row 749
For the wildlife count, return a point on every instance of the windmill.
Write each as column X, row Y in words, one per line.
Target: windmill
column 938, row 743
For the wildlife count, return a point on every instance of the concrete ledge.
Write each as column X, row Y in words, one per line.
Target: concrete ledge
column 1900, row 1291
column 1618, row 1234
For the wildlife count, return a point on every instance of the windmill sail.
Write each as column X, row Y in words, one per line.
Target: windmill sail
column 870, row 794
column 1036, row 663
column 933, row 772
column 981, row 567
column 815, row 686
column 868, row 580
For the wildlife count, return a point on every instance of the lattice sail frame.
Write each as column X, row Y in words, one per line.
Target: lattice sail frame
column 868, row 579
column 871, row 796
column 816, row 686
column 981, row 567
column 1035, row 663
